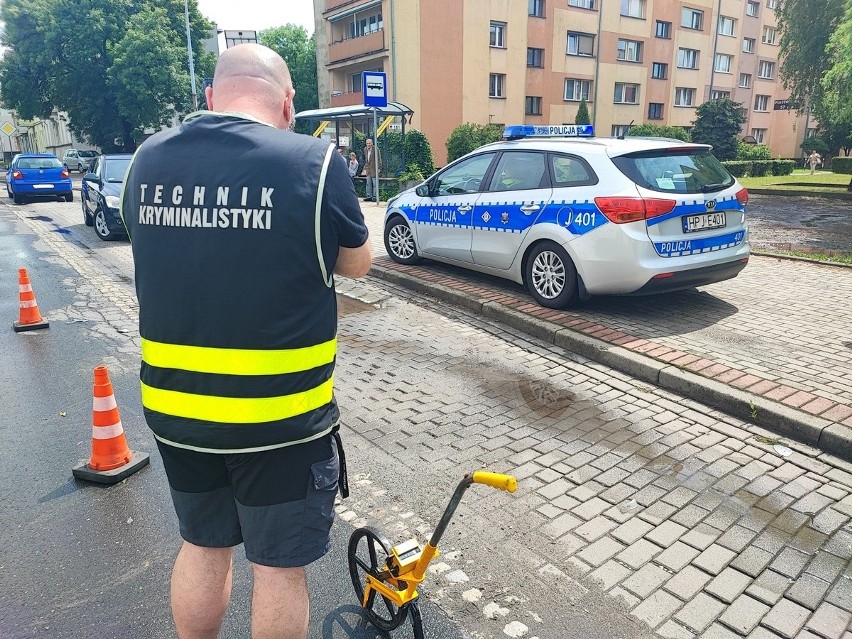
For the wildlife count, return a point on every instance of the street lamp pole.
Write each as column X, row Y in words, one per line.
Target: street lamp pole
column 189, row 55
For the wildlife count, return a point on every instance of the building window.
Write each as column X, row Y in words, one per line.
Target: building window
column 684, row 97
column 576, row 90
column 659, row 70
column 355, row 83
column 365, row 26
column 629, row 51
column 532, row 105
column 497, row 86
column 720, row 95
column 692, row 19
column 761, row 103
column 663, row 30
column 771, row 4
column 748, row 45
column 759, row 135
column 722, row 63
column 745, row 80
column 535, row 57
column 580, row 44
column 583, row 4
column 655, row 110
column 727, row 25
column 633, row 8
column 498, row 35
column 766, row 70
column 619, row 129
column 769, row 35
column 626, row 93
column 752, row 8
column 687, row 58
column 537, row 8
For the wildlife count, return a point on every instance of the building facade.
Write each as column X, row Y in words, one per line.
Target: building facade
column 533, row 61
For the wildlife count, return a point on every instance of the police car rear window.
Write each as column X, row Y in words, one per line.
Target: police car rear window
column 675, row 170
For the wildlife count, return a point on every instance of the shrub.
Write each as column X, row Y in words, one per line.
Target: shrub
column 468, row 137
column 760, row 168
column 753, row 152
column 783, row 167
column 418, row 152
column 659, row 131
column 814, row 144
column 738, row 168
column 842, row 164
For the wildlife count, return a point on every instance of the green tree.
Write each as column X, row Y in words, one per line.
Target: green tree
column 835, row 109
column 299, row 51
column 804, row 26
column 659, row 131
column 419, row 152
column 125, row 72
column 718, row 123
column 582, row 116
column 467, row 137
column 814, row 144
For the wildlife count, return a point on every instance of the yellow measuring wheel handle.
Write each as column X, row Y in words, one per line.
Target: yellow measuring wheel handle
column 496, row 480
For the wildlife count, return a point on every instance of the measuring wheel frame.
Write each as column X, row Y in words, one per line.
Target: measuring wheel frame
column 367, row 554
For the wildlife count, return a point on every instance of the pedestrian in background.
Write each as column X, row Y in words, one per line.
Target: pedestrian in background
column 372, row 159
column 353, row 165
column 238, row 320
column 814, row 160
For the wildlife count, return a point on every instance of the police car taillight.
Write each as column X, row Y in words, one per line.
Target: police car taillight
column 742, row 197
column 622, row 210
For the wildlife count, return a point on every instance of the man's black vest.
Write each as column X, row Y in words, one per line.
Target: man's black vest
column 237, row 310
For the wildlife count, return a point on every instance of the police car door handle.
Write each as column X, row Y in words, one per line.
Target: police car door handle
column 530, row 208
column 464, row 208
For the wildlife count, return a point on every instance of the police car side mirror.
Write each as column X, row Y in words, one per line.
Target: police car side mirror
column 422, row 190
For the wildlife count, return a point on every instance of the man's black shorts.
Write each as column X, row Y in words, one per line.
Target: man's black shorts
column 279, row 503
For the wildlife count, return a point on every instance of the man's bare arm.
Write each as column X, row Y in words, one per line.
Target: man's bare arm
column 354, row 262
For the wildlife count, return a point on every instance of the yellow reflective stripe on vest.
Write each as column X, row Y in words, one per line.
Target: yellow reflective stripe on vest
column 237, row 361
column 235, row 410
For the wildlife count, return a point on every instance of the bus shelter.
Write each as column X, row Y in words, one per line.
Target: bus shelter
column 346, row 120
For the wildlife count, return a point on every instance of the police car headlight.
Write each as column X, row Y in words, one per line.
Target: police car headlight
column 113, row 201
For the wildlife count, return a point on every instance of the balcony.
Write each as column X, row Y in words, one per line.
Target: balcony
column 333, row 4
column 355, row 47
column 339, row 99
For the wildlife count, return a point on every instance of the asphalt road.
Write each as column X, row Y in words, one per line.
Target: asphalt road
column 640, row 514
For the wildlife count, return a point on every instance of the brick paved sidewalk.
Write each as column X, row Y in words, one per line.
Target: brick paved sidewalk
column 773, row 346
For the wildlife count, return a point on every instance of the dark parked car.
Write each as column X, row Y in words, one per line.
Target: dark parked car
column 100, row 194
column 37, row 175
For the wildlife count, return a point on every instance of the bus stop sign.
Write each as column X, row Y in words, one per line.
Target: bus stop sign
column 375, row 88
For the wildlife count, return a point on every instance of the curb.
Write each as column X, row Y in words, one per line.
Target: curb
column 827, row 436
column 824, row 194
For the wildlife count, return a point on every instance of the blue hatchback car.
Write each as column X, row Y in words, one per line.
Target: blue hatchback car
column 37, row 176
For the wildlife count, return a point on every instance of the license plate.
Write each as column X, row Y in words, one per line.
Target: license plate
column 703, row 222
column 42, row 186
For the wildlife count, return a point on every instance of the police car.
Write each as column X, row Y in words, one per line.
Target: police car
column 570, row 215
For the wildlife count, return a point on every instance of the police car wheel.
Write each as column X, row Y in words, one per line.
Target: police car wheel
column 399, row 242
column 550, row 275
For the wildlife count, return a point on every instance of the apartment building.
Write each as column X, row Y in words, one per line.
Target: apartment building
column 532, row 61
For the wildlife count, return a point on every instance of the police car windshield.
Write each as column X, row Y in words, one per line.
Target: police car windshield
column 675, row 170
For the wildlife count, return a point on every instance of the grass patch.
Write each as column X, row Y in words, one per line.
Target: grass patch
column 831, row 257
column 800, row 180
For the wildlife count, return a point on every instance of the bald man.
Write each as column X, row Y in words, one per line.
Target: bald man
column 237, row 227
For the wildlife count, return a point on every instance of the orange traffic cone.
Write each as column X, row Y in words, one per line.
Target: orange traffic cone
column 111, row 459
column 29, row 317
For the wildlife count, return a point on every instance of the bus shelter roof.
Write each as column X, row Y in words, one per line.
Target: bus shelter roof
column 355, row 112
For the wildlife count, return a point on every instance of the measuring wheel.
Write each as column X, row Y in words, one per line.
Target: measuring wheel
column 368, row 552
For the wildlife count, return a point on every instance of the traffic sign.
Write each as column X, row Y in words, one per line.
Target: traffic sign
column 8, row 128
column 375, row 89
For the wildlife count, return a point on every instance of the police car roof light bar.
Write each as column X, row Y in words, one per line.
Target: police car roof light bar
column 518, row 131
